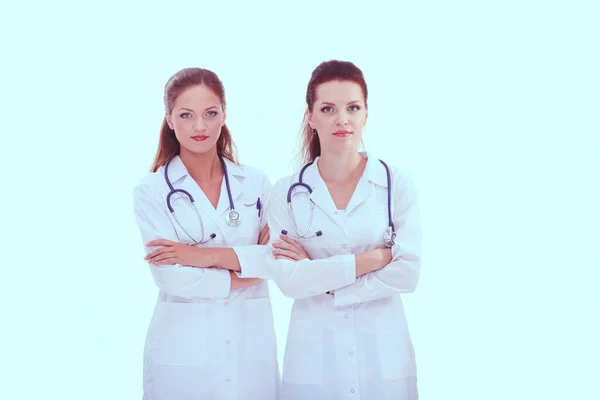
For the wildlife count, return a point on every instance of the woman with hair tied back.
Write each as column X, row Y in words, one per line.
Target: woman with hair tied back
column 199, row 211
column 346, row 241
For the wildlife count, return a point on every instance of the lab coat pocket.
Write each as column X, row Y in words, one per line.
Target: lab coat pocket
column 180, row 334
column 303, row 361
column 247, row 232
column 393, row 354
column 258, row 330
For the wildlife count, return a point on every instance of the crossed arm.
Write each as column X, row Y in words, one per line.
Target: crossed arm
column 172, row 252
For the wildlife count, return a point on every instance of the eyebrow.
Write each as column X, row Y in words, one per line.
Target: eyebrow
column 187, row 109
column 331, row 104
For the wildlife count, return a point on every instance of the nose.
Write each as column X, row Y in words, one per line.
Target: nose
column 341, row 118
column 199, row 125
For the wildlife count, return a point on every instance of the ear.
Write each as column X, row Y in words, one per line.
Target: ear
column 224, row 118
column 169, row 121
column 366, row 117
column 308, row 115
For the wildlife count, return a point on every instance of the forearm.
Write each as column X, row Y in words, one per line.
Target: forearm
column 188, row 282
column 240, row 283
column 369, row 261
column 400, row 276
column 220, row 257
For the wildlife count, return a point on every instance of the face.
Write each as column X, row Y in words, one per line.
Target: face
column 197, row 118
column 339, row 115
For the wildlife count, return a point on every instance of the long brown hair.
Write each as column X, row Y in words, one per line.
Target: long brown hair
column 168, row 146
column 332, row 70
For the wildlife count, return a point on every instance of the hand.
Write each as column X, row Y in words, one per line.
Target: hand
column 385, row 257
column 240, row 283
column 289, row 249
column 264, row 236
column 173, row 253
column 372, row 260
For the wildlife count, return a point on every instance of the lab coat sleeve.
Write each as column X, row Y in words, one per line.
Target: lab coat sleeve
column 402, row 274
column 251, row 257
column 176, row 279
column 304, row 278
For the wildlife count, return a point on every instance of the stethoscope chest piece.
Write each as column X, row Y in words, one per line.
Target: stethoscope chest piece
column 388, row 237
column 233, row 218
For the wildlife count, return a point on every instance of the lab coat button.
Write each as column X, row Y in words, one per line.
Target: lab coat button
column 350, row 354
column 346, row 316
column 227, row 342
column 351, row 390
column 228, row 380
column 344, row 245
column 226, row 304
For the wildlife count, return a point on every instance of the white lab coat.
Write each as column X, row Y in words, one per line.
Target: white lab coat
column 354, row 344
column 205, row 342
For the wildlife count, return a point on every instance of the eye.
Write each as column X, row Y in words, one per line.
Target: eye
column 212, row 113
column 353, row 108
column 185, row 115
column 327, row 109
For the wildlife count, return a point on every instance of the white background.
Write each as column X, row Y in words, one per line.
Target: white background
column 492, row 105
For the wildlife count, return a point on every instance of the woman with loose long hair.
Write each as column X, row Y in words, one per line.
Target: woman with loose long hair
column 212, row 334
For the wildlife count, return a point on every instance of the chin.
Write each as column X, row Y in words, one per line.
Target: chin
column 343, row 145
column 201, row 147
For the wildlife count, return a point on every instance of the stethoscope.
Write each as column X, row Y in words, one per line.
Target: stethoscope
column 232, row 218
column 388, row 235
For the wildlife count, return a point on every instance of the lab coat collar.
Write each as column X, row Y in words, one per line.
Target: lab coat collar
column 236, row 174
column 375, row 171
column 178, row 170
column 234, row 169
column 320, row 193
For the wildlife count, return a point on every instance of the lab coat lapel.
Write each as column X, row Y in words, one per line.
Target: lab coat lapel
column 236, row 181
column 320, row 193
column 363, row 191
column 236, row 191
column 181, row 179
column 374, row 174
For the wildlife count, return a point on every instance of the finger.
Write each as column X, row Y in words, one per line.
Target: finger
column 289, row 254
column 264, row 234
column 267, row 233
column 162, row 256
column 288, row 239
column 284, row 246
column 159, row 242
column 284, row 258
column 264, row 240
column 156, row 253
column 167, row 261
column 292, row 242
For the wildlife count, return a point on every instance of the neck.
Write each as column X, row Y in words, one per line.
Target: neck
column 340, row 167
column 202, row 166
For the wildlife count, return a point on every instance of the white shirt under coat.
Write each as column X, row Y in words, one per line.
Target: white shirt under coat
column 205, row 342
column 354, row 344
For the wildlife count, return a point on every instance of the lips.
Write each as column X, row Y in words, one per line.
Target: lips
column 342, row 133
column 199, row 138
